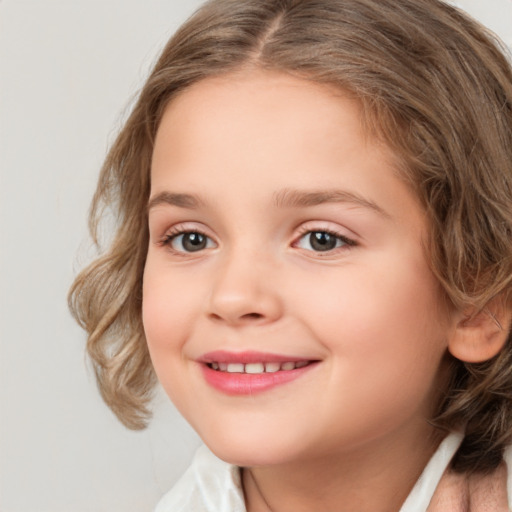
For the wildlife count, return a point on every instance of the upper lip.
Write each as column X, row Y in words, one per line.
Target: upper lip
column 250, row 356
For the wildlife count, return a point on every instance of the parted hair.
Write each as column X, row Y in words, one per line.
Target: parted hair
column 433, row 84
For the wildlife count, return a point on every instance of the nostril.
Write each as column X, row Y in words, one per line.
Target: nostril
column 253, row 316
column 247, row 316
column 242, row 306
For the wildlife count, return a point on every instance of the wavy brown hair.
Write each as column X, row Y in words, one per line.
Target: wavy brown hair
column 433, row 84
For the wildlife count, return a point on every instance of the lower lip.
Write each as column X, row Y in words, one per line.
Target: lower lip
column 250, row 383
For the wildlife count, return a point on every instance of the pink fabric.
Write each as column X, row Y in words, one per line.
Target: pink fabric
column 475, row 493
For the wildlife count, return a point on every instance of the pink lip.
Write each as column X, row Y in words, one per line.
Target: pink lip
column 249, row 384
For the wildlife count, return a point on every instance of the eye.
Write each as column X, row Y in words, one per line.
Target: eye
column 188, row 241
column 322, row 241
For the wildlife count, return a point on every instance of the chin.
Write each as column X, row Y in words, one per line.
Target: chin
column 247, row 456
column 246, row 450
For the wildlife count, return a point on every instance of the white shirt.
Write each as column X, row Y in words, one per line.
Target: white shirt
column 212, row 485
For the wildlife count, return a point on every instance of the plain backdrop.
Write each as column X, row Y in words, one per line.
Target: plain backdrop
column 67, row 72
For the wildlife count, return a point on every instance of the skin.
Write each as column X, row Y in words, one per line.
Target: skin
column 351, row 433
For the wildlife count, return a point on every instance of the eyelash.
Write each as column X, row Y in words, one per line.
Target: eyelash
column 347, row 242
column 178, row 231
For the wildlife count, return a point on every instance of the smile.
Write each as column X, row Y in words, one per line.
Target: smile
column 257, row 368
column 249, row 373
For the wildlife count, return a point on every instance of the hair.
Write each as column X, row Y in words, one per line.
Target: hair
column 433, row 84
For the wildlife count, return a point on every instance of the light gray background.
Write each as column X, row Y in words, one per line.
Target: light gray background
column 67, row 71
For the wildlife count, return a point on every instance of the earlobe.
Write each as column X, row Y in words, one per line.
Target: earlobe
column 479, row 337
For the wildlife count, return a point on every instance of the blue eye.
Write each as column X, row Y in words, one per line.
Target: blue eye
column 322, row 241
column 189, row 241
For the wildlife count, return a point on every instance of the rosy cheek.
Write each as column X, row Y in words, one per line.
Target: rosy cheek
column 154, row 308
column 167, row 310
column 154, row 328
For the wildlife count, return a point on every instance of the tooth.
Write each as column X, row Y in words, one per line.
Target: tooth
column 235, row 368
column 215, row 366
column 272, row 367
column 301, row 364
column 254, row 368
column 288, row 366
column 223, row 367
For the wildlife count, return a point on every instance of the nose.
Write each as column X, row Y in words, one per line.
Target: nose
column 245, row 291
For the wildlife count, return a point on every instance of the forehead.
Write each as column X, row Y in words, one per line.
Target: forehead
column 256, row 97
column 260, row 132
column 249, row 110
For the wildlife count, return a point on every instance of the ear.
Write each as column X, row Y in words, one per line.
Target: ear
column 479, row 337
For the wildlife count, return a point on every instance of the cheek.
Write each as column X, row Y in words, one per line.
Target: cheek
column 155, row 311
column 386, row 344
column 166, row 317
column 380, row 318
column 166, row 308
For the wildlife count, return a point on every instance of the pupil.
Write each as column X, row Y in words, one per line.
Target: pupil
column 194, row 242
column 322, row 241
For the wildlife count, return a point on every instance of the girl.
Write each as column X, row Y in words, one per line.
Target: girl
column 314, row 257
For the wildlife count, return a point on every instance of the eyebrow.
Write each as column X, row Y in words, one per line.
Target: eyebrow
column 192, row 202
column 297, row 198
column 285, row 198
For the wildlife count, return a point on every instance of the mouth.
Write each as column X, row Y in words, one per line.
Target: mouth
column 251, row 372
column 257, row 368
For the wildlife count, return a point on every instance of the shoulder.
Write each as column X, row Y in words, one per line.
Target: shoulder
column 208, row 485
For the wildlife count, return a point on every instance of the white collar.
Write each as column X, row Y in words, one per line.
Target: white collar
column 425, row 486
column 212, row 485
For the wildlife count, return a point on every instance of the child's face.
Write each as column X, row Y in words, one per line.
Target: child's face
column 279, row 233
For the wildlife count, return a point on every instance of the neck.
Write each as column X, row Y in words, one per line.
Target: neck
column 375, row 478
